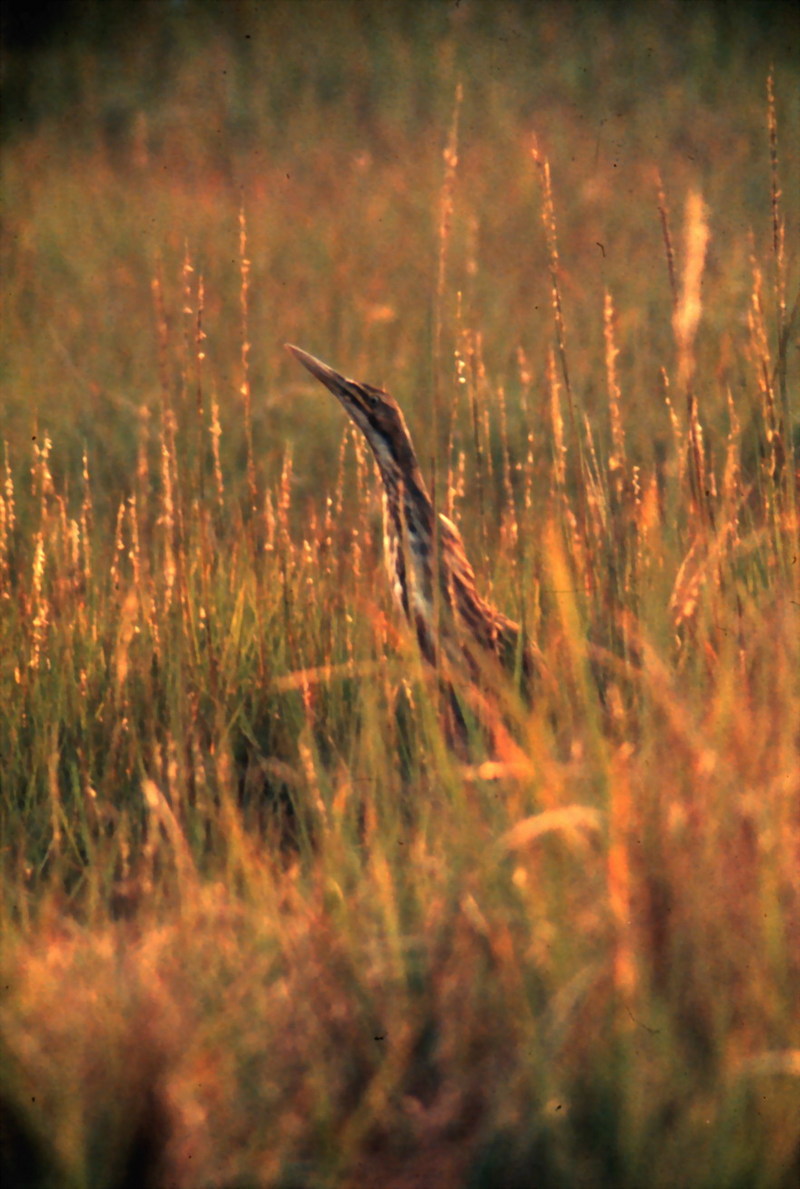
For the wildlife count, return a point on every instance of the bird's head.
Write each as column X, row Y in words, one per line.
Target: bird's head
column 374, row 411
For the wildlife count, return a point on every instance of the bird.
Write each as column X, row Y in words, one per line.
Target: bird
column 459, row 628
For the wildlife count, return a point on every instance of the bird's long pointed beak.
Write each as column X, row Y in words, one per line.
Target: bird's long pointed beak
column 326, row 375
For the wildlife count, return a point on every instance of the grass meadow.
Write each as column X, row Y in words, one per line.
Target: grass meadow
column 261, row 928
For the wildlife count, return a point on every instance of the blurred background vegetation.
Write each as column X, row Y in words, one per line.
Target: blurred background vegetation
column 135, row 134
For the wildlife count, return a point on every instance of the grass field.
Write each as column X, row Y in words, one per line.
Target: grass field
column 260, row 926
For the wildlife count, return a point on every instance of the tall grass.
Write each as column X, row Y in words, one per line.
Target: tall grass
column 260, row 925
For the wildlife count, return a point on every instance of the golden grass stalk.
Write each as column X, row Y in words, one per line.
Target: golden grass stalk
column 8, row 492
column 285, row 502
column 597, row 502
column 557, row 424
column 119, row 547
column 39, row 601
column 135, row 553
column 473, row 374
column 244, row 386
column 551, row 235
column 142, row 456
column 446, row 207
column 5, row 537
column 199, row 357
column 685, row 321
column 778, row 223
column 663, row 212
column 41, row 478
column 762, row 362
column 689, row 306
column 86, row 521
column 617, row 463
column 215, row 432
column 785, row 320
column 620, row 880
column 167, row 521
column 187, row 312
column 510, row 525
column 461, row 382
column 561, row 580
column 7, row 525
column 167, row 457
column 732, row 475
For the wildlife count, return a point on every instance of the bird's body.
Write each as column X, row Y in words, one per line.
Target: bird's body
column 419, row 547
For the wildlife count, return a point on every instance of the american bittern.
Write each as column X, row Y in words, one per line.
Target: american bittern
column 470, row 631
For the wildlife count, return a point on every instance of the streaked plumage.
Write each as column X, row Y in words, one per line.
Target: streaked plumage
column 470, row 630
